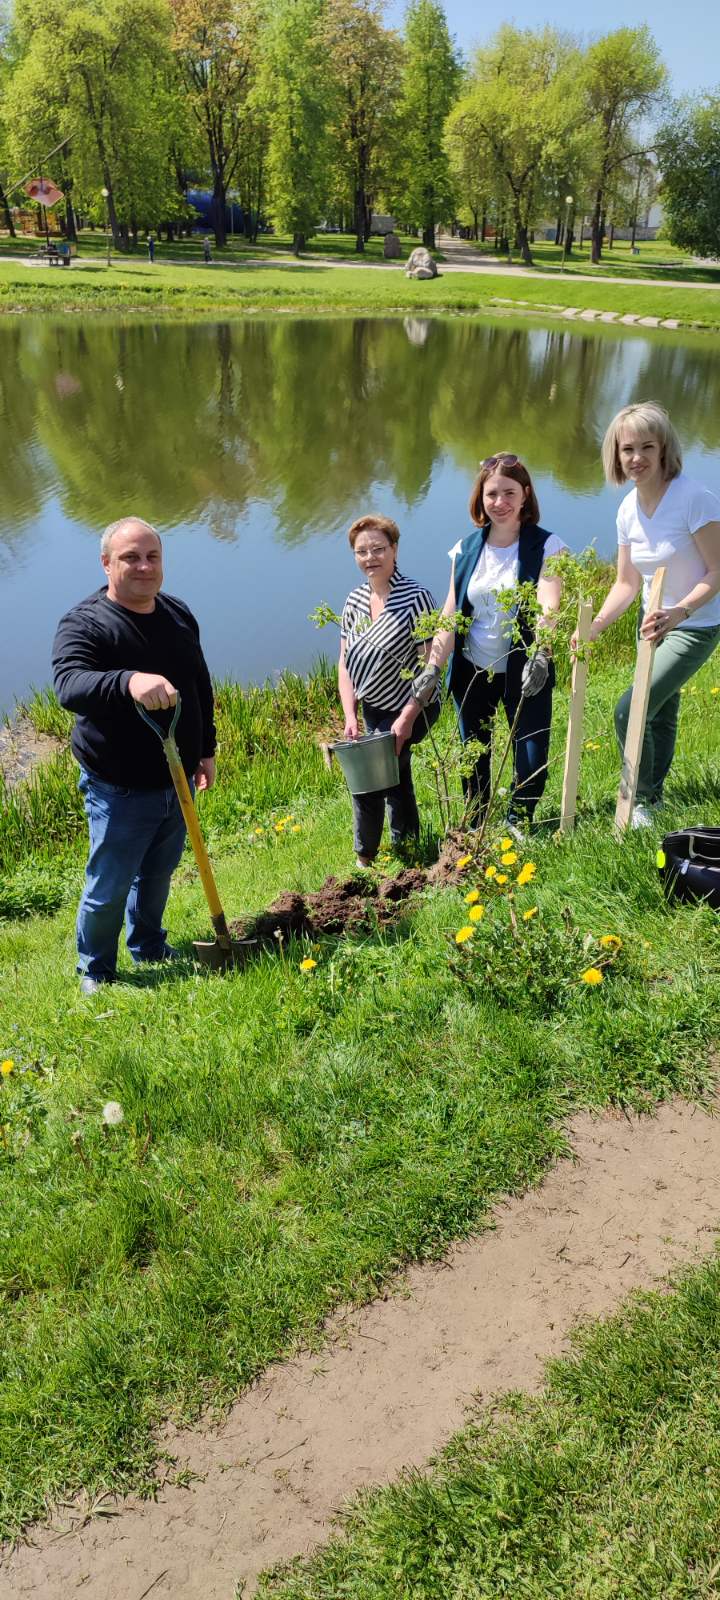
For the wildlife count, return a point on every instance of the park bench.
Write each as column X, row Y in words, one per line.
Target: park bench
column 58, row 255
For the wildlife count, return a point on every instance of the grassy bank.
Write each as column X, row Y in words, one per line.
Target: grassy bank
column 136, row 286
column 289, row 1136
column 603, row 1487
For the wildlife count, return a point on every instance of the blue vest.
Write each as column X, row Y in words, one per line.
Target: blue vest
column 531, row 554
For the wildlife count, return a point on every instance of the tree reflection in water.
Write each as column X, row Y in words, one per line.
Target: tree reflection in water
column 194, row 423
column 256, row 443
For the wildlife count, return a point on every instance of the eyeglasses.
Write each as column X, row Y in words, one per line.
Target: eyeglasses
column 374, row 550
column 503, row 460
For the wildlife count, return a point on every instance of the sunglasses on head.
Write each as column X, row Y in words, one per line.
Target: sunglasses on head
column 503, row 460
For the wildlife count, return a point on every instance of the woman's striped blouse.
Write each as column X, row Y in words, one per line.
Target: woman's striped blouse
column 377, row 653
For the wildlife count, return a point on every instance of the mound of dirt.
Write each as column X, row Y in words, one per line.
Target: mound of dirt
column 339, row 905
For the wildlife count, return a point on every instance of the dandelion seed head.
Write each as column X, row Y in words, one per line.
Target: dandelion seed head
column 112, row 1113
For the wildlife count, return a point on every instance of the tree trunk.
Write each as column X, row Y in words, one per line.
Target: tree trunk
column 559, row 230
column 217, row 211
column 611, row 240
column 428, row 236
column 299, row 242
column 7, row 213
column 522, row 241
column 359, row 220
column 596, row 235
column 483, row 227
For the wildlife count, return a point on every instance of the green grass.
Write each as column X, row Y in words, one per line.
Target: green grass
column 603, row 1487
column 135, row 286
column 655, row 259
column 288, row 1140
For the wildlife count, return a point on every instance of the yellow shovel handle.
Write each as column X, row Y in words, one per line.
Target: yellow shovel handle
column 182, row 789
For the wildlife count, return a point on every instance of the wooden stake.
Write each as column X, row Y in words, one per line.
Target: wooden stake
column 638, row 712
column 575, row 721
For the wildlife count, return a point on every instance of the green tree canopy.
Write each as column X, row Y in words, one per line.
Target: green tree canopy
column 688, row 147
column 298, row 89
column 623, row 80
column 430, row 84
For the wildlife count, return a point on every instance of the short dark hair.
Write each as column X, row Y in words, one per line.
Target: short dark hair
column 530, row 511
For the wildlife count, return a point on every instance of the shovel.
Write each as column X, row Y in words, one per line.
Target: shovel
column 223, row 951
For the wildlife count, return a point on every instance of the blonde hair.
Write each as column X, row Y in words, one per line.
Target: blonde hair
column 645, row 417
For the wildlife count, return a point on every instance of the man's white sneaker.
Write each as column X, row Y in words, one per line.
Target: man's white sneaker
column 642, row 816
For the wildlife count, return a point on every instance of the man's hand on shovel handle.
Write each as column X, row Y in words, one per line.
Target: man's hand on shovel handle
column 205, row 775
column 152, row 692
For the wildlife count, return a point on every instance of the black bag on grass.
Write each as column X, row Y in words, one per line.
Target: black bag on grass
column 690, row 865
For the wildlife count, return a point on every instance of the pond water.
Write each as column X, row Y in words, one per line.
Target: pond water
column 252, row 445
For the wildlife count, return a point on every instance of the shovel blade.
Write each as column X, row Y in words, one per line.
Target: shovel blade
column 222, row 957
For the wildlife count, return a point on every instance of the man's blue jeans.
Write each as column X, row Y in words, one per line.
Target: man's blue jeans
column 136, row 841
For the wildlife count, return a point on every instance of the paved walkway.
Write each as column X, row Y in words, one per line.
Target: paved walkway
column 460, row 256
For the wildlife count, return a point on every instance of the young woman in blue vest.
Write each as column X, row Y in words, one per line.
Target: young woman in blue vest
column 488, row 668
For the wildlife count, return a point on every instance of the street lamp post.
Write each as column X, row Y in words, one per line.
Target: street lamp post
column 568, row 203
column 106, row 195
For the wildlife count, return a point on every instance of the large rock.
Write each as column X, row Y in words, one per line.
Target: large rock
column 391, row 247
column 421, row 264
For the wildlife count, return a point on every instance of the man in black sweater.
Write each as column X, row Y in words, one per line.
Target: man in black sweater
column 129, row 645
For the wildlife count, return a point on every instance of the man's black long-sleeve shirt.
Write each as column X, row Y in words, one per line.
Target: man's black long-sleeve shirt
column 98, row 646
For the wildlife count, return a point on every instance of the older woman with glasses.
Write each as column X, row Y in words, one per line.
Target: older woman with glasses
column 489, row 666
column 378, row 655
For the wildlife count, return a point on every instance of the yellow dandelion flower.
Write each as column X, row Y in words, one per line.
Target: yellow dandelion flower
column 527, row 915
column 591, row 975
column 506, row 844
column 463, row 862
column 491, row 872
column 509, row 858
column 527, row 873
column 610, row 941
column 472, row 896
column 6, row 1067
column 308, row 964
column 715, row 689
column 463, row 934
column 259, row 830
column 501, row 877
column 296, row 828
column 476, row 914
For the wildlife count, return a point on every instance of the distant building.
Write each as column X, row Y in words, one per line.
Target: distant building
column 380, row 224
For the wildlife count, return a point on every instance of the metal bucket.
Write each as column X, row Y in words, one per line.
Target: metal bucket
column 369, row 763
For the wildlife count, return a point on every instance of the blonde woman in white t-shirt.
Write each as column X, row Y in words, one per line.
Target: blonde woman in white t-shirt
column 666, row 520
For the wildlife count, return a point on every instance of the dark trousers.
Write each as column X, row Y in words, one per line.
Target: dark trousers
column 369, row 809
column 477, row 697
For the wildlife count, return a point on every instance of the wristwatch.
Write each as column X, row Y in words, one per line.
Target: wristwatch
column 687, row 613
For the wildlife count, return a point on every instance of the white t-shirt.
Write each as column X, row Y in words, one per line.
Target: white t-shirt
column 488, row 640
column 666, row 539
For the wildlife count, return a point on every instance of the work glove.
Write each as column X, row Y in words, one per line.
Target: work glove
column 425, row 685
column 535, row 674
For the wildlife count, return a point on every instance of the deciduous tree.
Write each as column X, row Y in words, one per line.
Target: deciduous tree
column 623, row 78
column 520, row 120
column 298, row 89
column 430, row 84
column 366, row 61
column 688, row 147
column 215, row 43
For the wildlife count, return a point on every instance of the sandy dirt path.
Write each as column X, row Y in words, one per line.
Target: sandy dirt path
column 394, row 1379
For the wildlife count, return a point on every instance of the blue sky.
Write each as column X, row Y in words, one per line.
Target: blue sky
column 687, row 34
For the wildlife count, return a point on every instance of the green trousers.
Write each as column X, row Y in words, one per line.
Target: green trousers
column 677, row 658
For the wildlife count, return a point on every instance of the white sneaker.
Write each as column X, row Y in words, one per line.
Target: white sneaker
column 642, row 816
